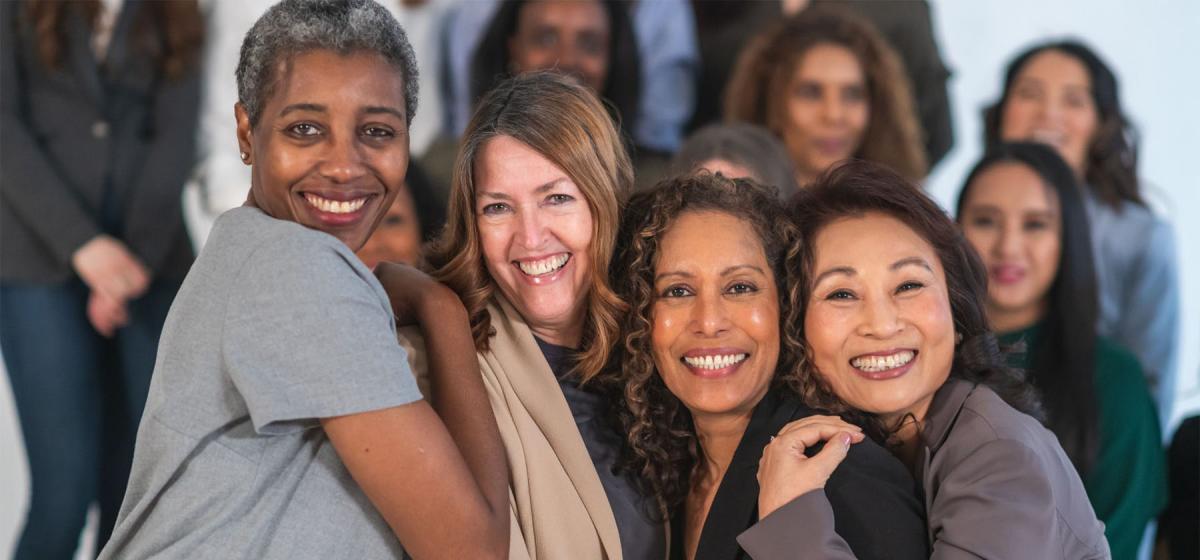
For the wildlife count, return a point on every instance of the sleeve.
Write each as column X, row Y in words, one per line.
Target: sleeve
column 1127, row 482
column 307, row 336
column 169, row 161
column 1149, row 325
column 670, row 61
column 995, row 503
column 29, row 184
column 868, row 509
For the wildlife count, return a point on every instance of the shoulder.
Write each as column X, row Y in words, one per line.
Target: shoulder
column 285, row 251
column 1115, row 364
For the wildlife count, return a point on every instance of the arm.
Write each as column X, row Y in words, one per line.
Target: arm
column 1149, row 325
column 670, row 61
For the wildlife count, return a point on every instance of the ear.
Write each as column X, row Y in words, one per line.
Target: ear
column 245, row 133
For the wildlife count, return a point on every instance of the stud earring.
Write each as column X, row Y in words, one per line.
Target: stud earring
column 245, row 157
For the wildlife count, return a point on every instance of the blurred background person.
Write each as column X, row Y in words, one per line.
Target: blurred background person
column 99, row 109
column 738, row 150
column 1022, row 210
column 403, row 231
column 831, row 88
column 1064, row 95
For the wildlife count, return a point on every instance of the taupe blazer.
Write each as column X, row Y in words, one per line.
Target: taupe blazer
column 996, row 484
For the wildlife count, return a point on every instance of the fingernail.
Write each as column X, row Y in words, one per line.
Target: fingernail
column 845, row 440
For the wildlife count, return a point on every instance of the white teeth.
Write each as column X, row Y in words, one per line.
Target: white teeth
column 1047, row 136
column 335, row 206
column 544, row 266
column 714, row 362
column 883, row 363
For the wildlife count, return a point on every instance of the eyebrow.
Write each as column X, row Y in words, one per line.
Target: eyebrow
column 382, row 110
column 540, row 190
column 849, row 271
column 726, row 272
column 318, row 108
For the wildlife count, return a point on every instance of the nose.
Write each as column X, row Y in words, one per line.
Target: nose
column 343, row 159
column 532, row 229
column 1009, row 242
column 881, row 319
column 831, row 108
column 709, row 316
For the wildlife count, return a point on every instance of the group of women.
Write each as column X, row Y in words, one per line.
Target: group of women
column 694, row 370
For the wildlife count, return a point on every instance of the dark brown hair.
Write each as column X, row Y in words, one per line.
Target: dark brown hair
column 171, row 32
column 759, row 86
column 856, row 188
column 664, row 452
column 1112, row 153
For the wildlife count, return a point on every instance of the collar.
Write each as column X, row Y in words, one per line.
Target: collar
column 943, row 412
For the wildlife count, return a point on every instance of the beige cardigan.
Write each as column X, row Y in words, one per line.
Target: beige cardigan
column 559, row 508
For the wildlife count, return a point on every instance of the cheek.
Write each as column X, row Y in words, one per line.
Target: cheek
column 819, row 333
column 1046, row 254
column 860, row 117
column 1015, row 119
column 664, row 330
column 493, row 241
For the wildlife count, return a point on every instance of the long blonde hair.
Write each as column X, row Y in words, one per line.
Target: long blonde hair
column 568, row 125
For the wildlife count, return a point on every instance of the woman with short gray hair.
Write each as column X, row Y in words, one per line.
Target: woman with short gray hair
column 283, row 420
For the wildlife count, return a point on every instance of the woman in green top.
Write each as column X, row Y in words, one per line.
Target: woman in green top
column 1022, row 210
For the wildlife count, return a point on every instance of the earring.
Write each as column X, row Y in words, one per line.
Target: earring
column 245, row 157
column 958, row 338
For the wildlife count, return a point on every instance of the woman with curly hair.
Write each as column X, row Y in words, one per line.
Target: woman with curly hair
column 829, row 86
column 892, row 303
column 1062, row 94
column 712, row 367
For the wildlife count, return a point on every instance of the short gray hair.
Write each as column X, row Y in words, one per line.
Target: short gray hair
column 292, row 27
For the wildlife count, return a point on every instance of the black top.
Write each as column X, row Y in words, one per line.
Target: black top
column 876, row 506
column 641, row 537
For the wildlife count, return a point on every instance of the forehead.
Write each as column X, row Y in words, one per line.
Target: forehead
column 587, row 14
column 828, row 62
column 352, row 80
column 507, row 165
column 1055, row 67
column 870, row 242
column 690, row 243
column 1012, row 186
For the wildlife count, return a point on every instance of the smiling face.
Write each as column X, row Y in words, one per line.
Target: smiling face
column 878, row 320
column 1013, row 221
column 398, row 238
column 569, row 36
column 1050, row 101
column 716, row 314
column 331, row 146
column 535, row 227
column 827, row 109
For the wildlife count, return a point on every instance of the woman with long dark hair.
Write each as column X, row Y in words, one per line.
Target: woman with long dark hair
column 97, row 137
column 1022, row 210
column 1063, row 94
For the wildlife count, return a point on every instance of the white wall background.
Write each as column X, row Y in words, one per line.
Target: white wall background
column 1150, row 43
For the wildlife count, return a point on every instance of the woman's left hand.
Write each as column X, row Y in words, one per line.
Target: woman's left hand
column 786, row 473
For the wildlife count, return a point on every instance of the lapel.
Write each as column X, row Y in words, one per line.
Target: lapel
column 121, row 41
column 735, row 506
column 538, row 391
column 82, row 58
column 943, row 413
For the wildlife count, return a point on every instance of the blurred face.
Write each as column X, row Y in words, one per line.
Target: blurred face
column 398, row 237
column 571, row 36
column 536, row 229
column 716, row 316
column 1051, row 102
column 878, row 320
column 827, row 109
column 1012, row 219
column 727, row 168
column 331, row 147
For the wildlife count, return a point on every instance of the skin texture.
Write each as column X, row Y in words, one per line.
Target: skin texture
column 826, row 110
column 571, row 36
column 398, row 237
column 879, row 287
column 1051, row 102
column 1013, row 222
column 335, row 125
column 527, row 210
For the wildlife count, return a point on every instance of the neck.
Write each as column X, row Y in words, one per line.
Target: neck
column 568, row 337
column 906, row 431
column 719, row 436
column 803, row 178
column 1006, row 320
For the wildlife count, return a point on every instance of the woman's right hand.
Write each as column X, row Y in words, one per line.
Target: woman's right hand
column 786, row 473
column 107, row 266
column 413, row 294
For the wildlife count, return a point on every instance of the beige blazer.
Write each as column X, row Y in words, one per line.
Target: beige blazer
column 559, row 508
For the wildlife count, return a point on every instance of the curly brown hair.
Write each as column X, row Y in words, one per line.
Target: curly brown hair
column 663, row 452
column 567, row 124
column 758, row 90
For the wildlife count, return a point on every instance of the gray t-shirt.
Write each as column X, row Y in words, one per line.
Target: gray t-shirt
column 275, row 327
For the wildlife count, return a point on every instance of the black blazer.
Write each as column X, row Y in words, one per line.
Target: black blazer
column 82, row 137
column 875, row 503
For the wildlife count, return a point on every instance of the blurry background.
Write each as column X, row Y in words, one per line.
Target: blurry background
column 1150, row 44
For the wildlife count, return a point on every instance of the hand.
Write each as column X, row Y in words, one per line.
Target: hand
column 412, row 293
column 107, row 266
column 786, row 473
column 105, row 314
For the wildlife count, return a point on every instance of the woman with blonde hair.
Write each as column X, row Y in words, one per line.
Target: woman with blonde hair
column 829, row 86
column 530, row 231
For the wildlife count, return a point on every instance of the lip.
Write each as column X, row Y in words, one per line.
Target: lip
column 714, row 373
column 1006, row 274
column 338, row 221
column 887, row 373
column 831, row 147
column 545, row 278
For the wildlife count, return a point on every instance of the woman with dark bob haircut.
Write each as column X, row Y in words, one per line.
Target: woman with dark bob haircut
column 1062, row 93
column 1022, row 209
column 892, row 303
column 711, row 366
